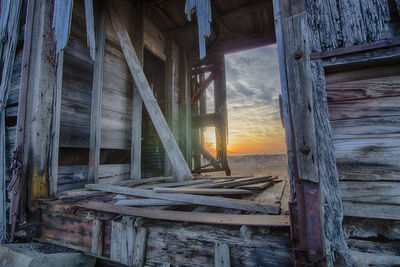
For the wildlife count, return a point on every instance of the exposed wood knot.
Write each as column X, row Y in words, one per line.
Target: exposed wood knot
column 298, row 54
column 305, row 150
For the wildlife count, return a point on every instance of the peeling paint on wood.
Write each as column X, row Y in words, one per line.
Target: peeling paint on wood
column 203, row 12
column 62, row 16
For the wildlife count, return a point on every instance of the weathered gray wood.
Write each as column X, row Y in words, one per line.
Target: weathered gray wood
column 300, row 95
column 90, row 28
column 41, row 84
column 346, row 23
column 176, row 184
column 62, row 16
column 329, row 181
column 362, row 74
column 370, row 210
column 154, row 39
column 364, row 89
column 97, row 238
column 365, row 108
column 166, row 264
column 371, row 192
column 172, row 149
column 97, row 89
column 139, row 256
column 116, row 235
column 285, row 93
column 368, row 171
column 147, row 202
column 362, row 128
column 183, row 216
column 203, row 191
column 374, row 259
column 136, row 140
column 127, row 241
column 56, row 120
column 10, row 20
column 199, row 200
column 184, row 108
column 222, row 257
column 273, row 195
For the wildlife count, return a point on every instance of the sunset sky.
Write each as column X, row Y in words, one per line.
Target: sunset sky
column 253, row 87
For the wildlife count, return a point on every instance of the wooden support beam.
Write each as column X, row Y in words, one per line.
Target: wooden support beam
column 208, row 156
column 137, row 103
column 183, row 216
column 203, row 86
column 233, row 46
column 97, row 91
column 207, row 120
column 97, row 238
column 220, row 106
column 42, row 80
column 184, row 109
column 90, row 35
column 198, row 200
column 174, row 154
column 8, row 45
column 55, row 140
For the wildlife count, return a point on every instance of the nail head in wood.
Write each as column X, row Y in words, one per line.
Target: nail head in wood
column 298, row 54
column 305, row 150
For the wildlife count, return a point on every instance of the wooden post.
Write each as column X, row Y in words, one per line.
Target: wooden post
column 184, row 100
column 7, row 56
column 97, row 89
column 137, row 103
column 55, row 135
column 175, row 156
column 312, row 166
column 221, row 130
column 41, row 84
column 195, row 132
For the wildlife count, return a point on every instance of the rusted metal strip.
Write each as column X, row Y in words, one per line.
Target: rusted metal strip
column 355, row 49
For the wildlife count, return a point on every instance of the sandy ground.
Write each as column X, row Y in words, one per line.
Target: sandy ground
column 275, row 165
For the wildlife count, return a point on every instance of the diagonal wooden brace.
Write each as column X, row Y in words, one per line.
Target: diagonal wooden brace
column 171, row 147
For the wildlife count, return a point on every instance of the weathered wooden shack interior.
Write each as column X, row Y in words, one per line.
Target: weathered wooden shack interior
column 102, row 106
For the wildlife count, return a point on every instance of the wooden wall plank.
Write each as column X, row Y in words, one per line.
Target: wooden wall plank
column 364, row 89
column 371, row 210
column 56, row 120
column 378, row 127
column 374, row 107
column 97, row 90
column 371, row 192
column 300, row 97
column 137, row 103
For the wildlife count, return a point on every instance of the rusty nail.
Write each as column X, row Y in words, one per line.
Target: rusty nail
column 298, row 54
column 305, row 150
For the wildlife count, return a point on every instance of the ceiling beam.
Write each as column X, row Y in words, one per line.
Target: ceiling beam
column 234, row 45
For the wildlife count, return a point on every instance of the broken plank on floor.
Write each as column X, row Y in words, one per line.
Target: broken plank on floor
column 239, row 182
column 199, row 200
column 148, row 202
column 258, row 186
column 204, row 191
column 208, row 218
column 272, row 195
